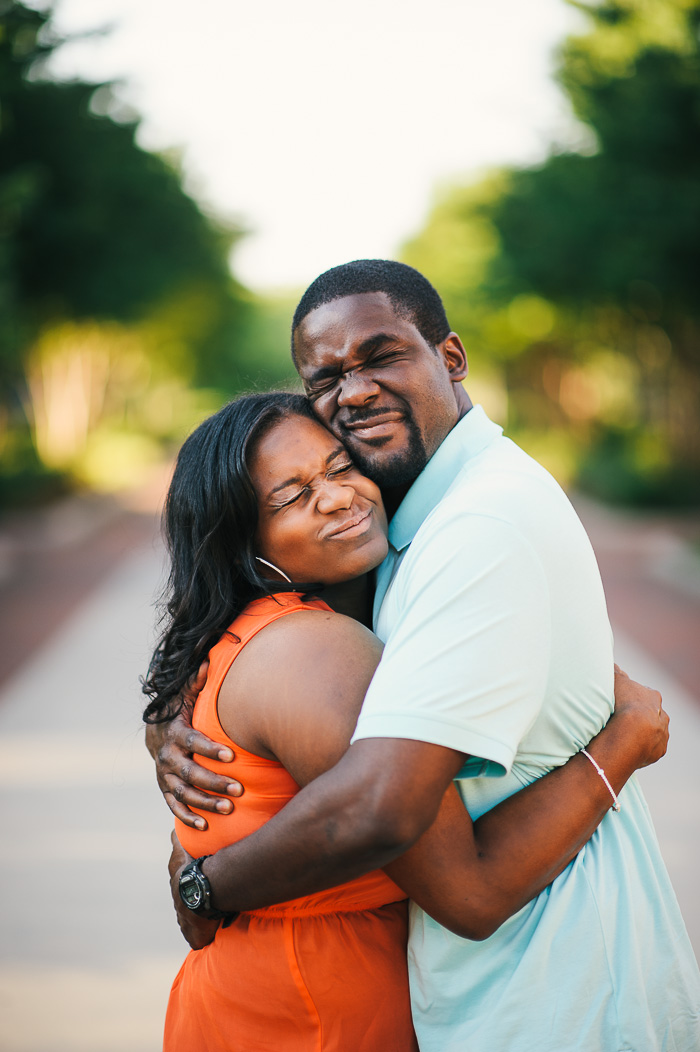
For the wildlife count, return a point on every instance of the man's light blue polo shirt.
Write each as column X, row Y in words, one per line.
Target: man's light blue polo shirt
column 498, row 645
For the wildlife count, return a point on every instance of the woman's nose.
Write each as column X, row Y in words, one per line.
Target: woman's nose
column 334, row 496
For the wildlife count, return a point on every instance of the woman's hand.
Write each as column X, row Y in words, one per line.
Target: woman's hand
column 646, row 723
column 513, row 851
column 198, row 931
column 180, row 779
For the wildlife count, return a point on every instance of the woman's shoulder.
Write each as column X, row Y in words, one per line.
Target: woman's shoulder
column 306, row 637
column 302, row 676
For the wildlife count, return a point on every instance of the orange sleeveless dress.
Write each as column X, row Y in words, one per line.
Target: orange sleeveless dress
column 322, row 973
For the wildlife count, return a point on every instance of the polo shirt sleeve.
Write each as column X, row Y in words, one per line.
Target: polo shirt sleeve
column 466, row 662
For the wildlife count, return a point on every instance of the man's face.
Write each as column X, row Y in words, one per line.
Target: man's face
column 378, row 385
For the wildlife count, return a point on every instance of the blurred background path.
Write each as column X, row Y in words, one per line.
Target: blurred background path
column 85, row 915
column 148, row 273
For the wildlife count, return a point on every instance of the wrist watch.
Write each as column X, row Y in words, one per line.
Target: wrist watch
column 195, row 892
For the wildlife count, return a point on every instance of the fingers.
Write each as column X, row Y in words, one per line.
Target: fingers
column 186, row 777
column 181, row 796
column 663, row 737
column 185, row 784
column 623, row 682
column 154, row 738
column 181, row 799
column 178, row 858
column 630, row 694
column 194, row 686
column 182, row 811
column 193, row 797
column 179, row 731
column 197, row 931
column 195, row 741
column 180, row 735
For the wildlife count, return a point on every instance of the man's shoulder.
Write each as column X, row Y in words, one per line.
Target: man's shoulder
column 502, row 482
column 507, row 505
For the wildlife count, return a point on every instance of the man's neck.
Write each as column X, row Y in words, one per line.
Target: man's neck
column 464, row 403
column 352, row 598
column 393, row 495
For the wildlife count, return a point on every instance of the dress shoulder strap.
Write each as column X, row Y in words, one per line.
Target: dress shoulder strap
column 256, row 616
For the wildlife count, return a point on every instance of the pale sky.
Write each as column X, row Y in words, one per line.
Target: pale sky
column 325, row 128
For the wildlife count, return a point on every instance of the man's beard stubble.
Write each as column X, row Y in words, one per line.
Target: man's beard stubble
column 400, row 469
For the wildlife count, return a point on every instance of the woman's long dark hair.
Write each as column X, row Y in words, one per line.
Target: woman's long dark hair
column 209, row 523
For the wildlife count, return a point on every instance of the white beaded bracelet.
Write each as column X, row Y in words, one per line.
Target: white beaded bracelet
column 601, row 772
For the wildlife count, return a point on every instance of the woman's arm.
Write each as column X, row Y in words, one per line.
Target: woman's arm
column 472, row 877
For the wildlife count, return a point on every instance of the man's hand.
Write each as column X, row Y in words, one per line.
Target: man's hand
column 180, row 779
column 198, row 931
column 641, row 708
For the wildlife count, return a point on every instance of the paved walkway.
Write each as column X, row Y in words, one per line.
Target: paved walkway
column 89, row 946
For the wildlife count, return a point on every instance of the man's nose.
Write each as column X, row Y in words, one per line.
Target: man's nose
column 334, row 496
column 357, row 389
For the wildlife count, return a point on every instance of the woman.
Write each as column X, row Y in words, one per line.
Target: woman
column 266, row 512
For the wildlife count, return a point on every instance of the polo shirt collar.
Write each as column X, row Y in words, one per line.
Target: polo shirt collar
column 467, row 438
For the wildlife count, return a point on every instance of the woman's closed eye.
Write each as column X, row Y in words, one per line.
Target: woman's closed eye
column 291, row 499
column 341, row 469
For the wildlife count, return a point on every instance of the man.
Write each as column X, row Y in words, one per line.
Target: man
column 497, row 668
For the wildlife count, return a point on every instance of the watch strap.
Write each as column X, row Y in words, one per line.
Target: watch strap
column 193, row 871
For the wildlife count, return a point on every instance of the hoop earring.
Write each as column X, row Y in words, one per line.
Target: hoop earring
column 273, row 567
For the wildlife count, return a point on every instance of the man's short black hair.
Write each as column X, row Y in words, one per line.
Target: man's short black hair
column 411, row 294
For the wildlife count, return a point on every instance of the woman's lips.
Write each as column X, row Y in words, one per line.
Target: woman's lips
column 352, row 527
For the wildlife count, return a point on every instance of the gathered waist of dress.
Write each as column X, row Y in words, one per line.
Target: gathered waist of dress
column 370, row 892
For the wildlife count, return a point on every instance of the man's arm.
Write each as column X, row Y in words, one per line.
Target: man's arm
column 471, row 879
column 180, row 779
column 385, row 792
column 476, row 616
column 358, row 817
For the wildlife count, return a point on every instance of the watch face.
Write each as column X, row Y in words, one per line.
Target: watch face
column 190, row 892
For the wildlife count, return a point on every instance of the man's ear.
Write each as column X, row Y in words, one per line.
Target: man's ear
column 455, row 357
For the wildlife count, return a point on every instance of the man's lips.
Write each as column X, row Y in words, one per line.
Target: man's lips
column 375, row 426
column 351, row 527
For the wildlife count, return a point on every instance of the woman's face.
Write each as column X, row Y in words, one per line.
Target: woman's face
column 319, row 518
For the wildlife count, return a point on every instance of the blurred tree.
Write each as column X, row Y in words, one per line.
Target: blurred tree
column 622, row 225
column 102, row 254
column 615, row 236
column 597, row 254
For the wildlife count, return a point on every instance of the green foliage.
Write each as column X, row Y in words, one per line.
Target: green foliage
column 591, row 259
column 456, row 250
column 94, row 226
column 264, row 359
column 24, row 479
column 113, row 282
column 629, row 467
column 622, row 225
